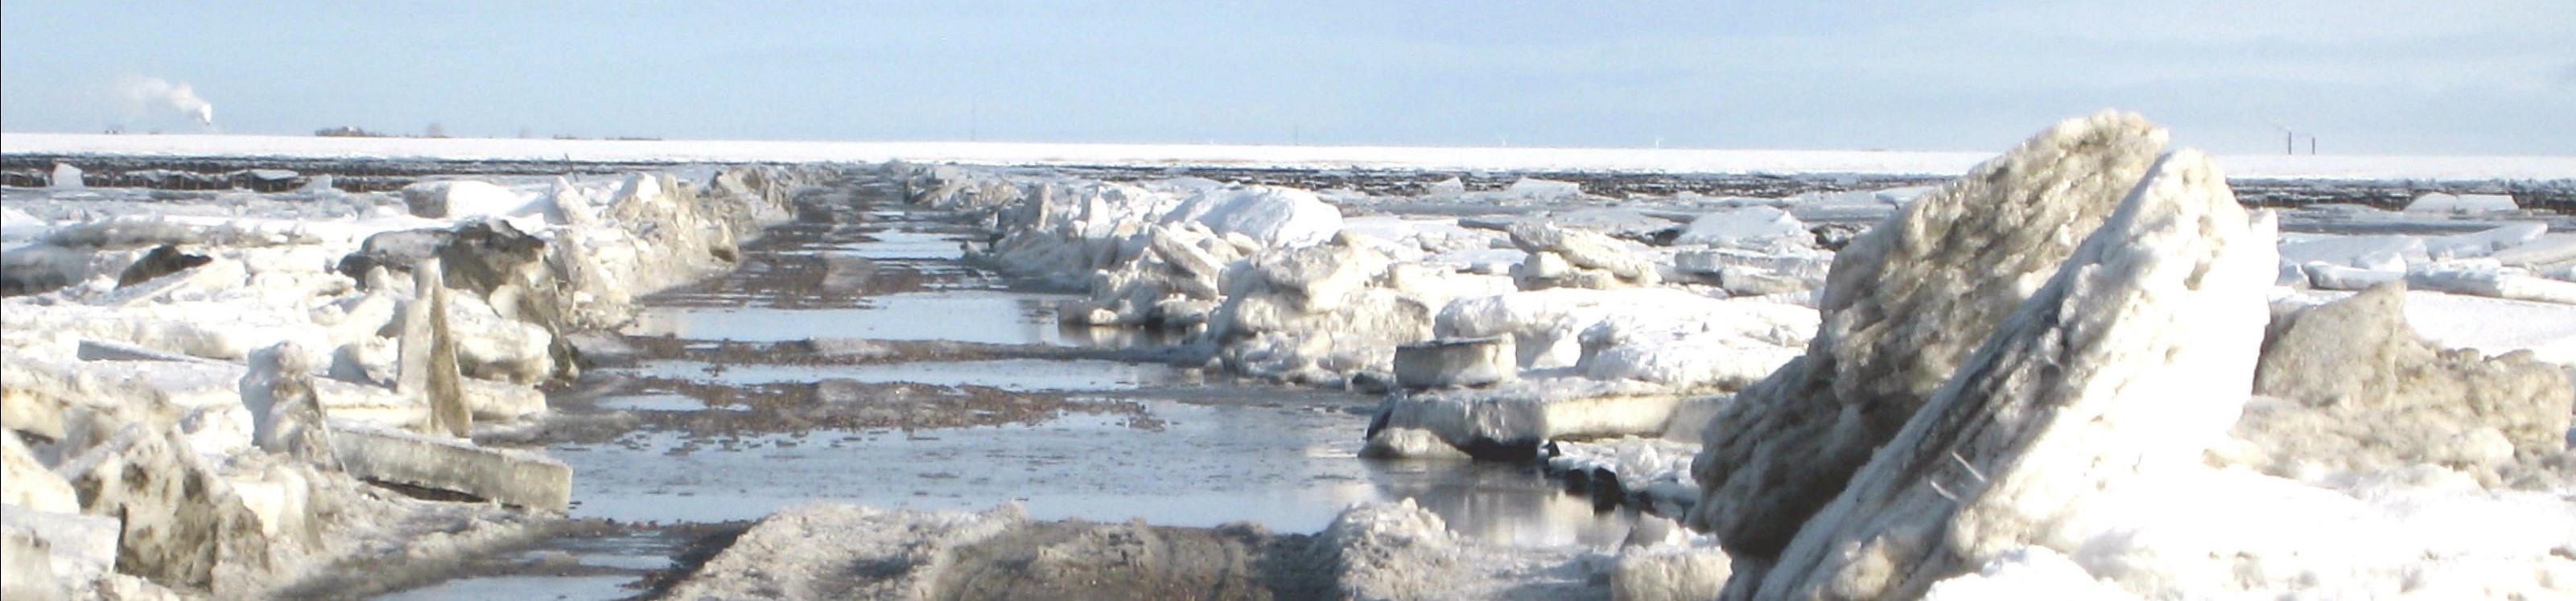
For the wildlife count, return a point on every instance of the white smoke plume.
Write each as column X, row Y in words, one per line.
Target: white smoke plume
column 153, row 94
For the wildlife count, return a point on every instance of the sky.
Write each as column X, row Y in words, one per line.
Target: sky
column 2465, row 77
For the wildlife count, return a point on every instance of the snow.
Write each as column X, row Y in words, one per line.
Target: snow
column 2495, row 326
column 1276, row 216
column 2234, row 534
column 2027, row 573
column 2547, row 249
column 1695, row 345
column 1165, row 155
column 2135, row 356
column 462, row 198
column 1642, row 334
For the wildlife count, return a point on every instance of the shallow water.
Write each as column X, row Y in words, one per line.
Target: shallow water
column 1289, row 468
column 979, row 316
column 720, row 435
column 905, row 244
column 1022, row 375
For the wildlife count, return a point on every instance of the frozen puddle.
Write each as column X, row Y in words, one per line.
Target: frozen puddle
column 1017, row 375
column 981, row 316
column 1290, row 468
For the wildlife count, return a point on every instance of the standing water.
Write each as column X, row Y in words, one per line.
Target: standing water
column 855, row 356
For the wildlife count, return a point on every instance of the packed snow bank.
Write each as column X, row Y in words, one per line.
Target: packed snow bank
column 1904, row 306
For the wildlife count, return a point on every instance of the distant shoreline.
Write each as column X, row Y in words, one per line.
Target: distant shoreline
column 1589, row 160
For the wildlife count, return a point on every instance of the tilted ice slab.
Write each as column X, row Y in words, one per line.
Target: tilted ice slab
column 2128, row 363
column 1904, row 306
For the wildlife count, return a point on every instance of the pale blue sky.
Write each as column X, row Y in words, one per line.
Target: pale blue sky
column 2365, row 76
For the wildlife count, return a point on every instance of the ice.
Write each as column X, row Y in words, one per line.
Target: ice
column 2121, row 370
column 1530, row 189
column 1547, row 326
column 1749, row 226
column 1275, row 282
column 1511, row 421
column 27, row 483
column 2324, row 276
column 67, row 177
column 2554, row 248
column 2361, row 391
column 2484, row 243
column 1652, row 472
column 1582, row 259
column 2495, row 326
column 55, row 549
column 131, row 363
column 1904, row 306
column 1671, row 573
column 448, row 199
column 184, row 525
column 2492, row 282
column 2446, row 203
column 2358, row 251
column 1453, row 362
column 1277, row 217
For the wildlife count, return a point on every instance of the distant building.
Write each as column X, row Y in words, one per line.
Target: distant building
column 347, row 131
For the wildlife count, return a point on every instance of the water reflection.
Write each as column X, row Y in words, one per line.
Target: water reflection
column 980, row 316
column 1502, row 503
column 1024, row 375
